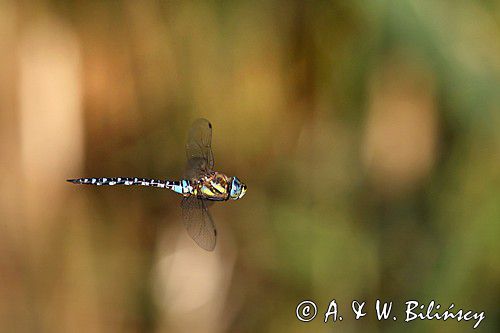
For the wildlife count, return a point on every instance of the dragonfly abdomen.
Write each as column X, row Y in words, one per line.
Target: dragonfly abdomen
column 110, row 181
column 182, row 186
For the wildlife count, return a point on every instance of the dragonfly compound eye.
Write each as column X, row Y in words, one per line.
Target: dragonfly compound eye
column 238, row 189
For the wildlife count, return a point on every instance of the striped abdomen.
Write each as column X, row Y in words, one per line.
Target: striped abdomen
column 179, row 186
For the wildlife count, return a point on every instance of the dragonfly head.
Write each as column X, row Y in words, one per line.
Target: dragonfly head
column 238, row 189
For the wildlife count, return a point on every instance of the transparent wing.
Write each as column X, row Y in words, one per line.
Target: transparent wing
column 200, row 159
column 198, row 222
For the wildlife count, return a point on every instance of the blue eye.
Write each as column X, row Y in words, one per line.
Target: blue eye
column 235, row 188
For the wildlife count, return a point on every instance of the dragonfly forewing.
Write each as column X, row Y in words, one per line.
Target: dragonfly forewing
column 200, row 158
column 198, row 222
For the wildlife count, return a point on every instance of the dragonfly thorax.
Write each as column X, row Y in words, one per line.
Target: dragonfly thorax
column 217, row 186
column 213, row 186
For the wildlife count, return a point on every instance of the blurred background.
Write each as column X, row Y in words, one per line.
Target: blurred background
column 367, row 133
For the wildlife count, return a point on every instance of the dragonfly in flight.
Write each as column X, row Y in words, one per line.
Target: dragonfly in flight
column 200, row 187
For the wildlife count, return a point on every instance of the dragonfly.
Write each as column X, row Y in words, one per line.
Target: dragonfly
column 200, row 187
